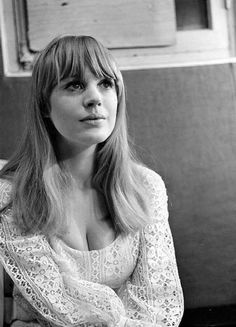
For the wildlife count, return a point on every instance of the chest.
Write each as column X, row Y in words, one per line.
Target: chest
column 90, row 236
column 89, row 226
column 110, row 266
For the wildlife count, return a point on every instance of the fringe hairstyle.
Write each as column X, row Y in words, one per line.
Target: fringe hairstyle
column 39, row 181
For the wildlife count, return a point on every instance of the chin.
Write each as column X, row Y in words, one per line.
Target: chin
column 97, row 139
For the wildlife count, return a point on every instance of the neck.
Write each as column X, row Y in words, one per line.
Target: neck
column 80, row 163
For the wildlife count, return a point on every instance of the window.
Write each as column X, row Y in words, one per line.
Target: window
column 141, row 34
column 192, row 14
column 204, row 34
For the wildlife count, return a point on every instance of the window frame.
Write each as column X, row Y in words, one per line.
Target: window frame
column 194, row 47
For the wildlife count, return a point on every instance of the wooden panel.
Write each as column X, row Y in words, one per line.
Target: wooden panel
column 116, row 23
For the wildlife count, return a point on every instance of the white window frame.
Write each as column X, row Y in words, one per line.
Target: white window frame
column 195, row 47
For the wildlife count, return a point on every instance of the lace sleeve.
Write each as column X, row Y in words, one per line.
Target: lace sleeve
column 5, row 193
column 153, row 295
column 30, row 262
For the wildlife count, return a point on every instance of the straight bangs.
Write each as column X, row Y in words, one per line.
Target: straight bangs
column 74, row 54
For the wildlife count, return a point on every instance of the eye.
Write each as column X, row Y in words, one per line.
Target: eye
column 74, row 85
column 107, row 83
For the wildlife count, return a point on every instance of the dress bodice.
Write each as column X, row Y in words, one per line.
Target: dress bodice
column 132, row 282
column 110, row 266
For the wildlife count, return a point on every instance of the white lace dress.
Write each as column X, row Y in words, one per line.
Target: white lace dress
column 132, row 282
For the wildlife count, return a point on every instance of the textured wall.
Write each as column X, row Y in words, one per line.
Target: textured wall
column 14, row 93
column 183, row 121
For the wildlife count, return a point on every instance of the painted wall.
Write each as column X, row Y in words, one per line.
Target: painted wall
column 183, row 121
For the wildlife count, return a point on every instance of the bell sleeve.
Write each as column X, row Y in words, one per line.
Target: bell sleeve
column 153, row 295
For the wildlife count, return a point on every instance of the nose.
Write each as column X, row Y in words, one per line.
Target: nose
column 92, row 97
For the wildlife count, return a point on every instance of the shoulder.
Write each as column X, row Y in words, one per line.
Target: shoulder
column 5, row 192
column 151, row 180
column 155, row 194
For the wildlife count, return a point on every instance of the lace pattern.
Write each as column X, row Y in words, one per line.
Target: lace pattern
column 110, row 266
column 132, row 282
column 5, row 193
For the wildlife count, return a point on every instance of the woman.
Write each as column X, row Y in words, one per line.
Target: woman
column 84, row 229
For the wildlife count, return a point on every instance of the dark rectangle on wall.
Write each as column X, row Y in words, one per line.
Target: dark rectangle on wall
column 192, row 14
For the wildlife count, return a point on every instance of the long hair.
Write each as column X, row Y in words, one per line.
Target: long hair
column 39, row 180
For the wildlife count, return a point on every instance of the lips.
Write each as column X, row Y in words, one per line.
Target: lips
column 93, row 117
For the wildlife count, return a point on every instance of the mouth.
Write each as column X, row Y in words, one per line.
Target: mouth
column 93, row 117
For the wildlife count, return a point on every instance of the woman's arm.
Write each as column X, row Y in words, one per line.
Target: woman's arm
column 30, row 262
column 153, row 295
column 31, row 266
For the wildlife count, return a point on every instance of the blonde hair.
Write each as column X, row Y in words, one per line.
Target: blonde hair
column 39, row 181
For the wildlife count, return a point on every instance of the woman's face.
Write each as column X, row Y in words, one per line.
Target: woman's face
column 84, row 112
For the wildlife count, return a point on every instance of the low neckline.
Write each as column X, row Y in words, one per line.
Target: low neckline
column 90, row 251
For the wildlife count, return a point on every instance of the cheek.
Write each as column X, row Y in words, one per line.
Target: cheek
column 113, row 106
column 53, row 108
column 58, row 113
column 113, row 118
column 113, row 114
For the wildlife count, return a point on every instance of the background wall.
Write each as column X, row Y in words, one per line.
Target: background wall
column 183, row 121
